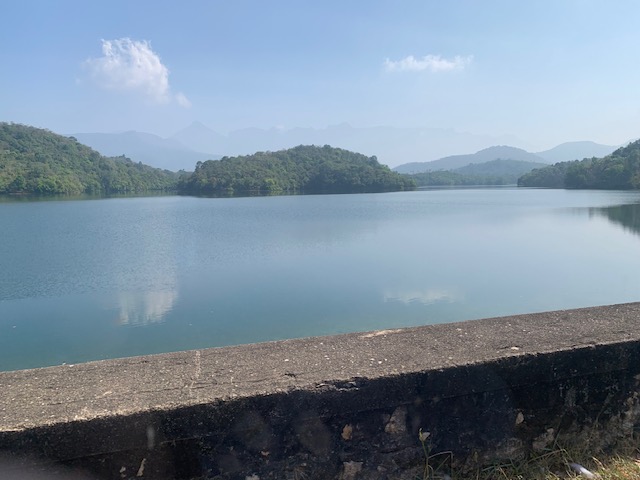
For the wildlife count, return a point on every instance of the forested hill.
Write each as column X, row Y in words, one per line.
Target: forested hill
column 302, row 169
column 495, row 172
column 619, row 170
column 37, row 161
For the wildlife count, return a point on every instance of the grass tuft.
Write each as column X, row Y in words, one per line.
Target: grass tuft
column 555, row 464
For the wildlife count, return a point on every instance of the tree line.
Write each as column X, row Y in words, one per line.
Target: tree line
column 37, row 161
column 617, row 171
column 495, row 172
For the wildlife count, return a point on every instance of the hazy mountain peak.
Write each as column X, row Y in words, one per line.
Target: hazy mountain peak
column 197, row 126
column 576, row 151
column 200, row 137
column 166, row 153
column 502, row 152
column 502, row 149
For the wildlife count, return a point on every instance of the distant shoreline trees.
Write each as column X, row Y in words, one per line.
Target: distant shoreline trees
column 618, row 171
column 494, row 172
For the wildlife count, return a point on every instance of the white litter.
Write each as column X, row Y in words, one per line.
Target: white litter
column 582, row 471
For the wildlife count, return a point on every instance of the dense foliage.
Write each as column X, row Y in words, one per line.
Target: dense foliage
column 495, row 172
column 550, row 177
column 506, row 168
column 303, row 169
column 37, row 161
column 618, row 171
column 444, row 178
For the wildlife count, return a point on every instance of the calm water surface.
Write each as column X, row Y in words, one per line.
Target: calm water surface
column 92, row 279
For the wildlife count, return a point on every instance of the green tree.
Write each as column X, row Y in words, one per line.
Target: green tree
column 38, row 161
column 303, row 169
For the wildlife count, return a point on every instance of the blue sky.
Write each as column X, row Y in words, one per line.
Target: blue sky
column 544, row 71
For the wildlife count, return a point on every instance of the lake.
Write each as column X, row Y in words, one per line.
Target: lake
column 102, row 278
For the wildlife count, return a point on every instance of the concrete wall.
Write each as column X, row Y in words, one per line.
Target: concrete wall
column 349, row 406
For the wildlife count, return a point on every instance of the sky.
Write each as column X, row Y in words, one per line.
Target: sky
column 547, row 72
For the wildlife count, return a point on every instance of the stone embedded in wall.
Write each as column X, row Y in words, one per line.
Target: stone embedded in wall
column 350, row 470
column 397, row 423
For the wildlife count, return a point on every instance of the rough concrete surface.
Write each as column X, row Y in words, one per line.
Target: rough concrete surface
column 126, row 386
column 334, row 388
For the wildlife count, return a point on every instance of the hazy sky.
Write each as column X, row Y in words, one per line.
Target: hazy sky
column 545, row 71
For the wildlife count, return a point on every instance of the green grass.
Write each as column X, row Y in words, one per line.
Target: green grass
column 556, row 467
column 618, row 468
column 553, row 464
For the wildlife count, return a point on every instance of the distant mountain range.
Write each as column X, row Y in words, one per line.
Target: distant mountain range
column 564, row 152
column 576, row 151
column 197, row 142
column 391, row 145
column 457, row 161
column 165, row 153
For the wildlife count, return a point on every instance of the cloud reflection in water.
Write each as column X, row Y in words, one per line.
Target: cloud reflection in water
column 145, row 308
column 425, row 297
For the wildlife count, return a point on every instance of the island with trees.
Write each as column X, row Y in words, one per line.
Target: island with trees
column 37, row 161
column 618, row 171
column 302, row 169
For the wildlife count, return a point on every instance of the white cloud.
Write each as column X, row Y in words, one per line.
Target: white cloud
column 182, row 100
column 432, row 63
column 130, row 65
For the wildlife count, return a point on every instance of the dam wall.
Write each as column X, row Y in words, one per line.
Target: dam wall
column 375, row 405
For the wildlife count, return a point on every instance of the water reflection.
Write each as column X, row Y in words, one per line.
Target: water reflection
column 198, row 273
column 138, row 309
column 627, row 216
column 425, row 297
